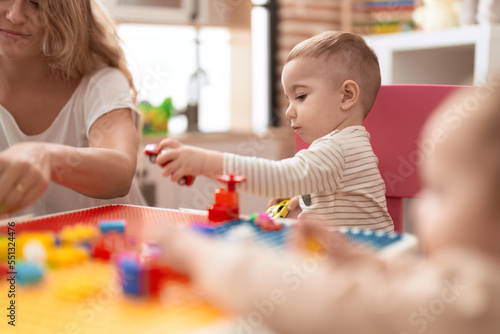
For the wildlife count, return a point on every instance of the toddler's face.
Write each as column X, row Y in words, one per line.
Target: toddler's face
column 453, row 206
column 314, row 108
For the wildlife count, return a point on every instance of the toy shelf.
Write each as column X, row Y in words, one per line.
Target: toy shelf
column 462, row 55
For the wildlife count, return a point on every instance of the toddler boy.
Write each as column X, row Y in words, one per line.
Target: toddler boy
column 331, row 81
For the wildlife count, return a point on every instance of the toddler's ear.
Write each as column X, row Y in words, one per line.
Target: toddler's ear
column 350, row 91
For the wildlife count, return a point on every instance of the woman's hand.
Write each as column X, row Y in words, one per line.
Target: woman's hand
column 24, row 175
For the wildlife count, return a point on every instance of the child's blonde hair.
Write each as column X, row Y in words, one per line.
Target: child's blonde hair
column 350, row 58
column 79, row 36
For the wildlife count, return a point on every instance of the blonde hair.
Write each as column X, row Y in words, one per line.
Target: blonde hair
column 351, row 59
column 80, row 36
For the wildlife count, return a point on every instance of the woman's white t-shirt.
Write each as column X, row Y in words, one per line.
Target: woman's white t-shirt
column 98, row 93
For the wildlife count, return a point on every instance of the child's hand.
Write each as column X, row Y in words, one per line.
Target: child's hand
column 317, row 237
column 180, row 247
column 293, row 206
column 294, row 209
column 178, row 160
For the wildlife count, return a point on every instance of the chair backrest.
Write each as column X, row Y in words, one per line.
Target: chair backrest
column 394, row 124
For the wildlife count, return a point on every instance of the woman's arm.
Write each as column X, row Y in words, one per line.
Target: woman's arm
column 106, row 168
column 103, row 170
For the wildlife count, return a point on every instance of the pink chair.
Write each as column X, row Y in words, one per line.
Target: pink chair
column 394, row 123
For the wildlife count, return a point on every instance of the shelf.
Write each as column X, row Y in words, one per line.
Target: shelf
column 463, row 55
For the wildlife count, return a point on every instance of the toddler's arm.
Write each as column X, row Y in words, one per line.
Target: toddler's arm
column 317, row 169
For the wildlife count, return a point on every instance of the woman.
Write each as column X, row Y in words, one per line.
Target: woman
column 69, row 126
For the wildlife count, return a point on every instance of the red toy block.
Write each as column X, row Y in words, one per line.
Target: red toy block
column 3, row 269
column 110, row 243
column 221, row 213
column 155, row 275
column 170, row 274
column 226, row 206
column 154, row 279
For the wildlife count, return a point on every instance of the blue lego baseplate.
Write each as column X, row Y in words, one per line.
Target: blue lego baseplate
column 382, row 242
column 272, row 238
column 377, row 240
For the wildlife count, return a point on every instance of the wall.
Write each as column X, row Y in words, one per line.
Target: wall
column 299, row 20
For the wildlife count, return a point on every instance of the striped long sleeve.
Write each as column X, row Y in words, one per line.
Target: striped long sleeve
column 337, row 177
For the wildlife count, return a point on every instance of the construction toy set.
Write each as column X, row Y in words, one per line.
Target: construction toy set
column 90, row 271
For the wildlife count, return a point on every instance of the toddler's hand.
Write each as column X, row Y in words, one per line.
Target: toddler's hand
column 293, row 206
column 274, row 201
column 294, row 209
column 178, row 160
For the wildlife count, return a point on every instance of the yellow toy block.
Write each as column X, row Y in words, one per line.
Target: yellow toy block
column 4, row 246
column 76, row 288
column 78, row 233
column 312, row 245
column 65, row 256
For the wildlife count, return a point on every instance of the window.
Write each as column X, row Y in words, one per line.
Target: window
column 162, row 59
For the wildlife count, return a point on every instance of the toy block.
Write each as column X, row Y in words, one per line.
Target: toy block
column 65, row 256
column 78, row 233
column 28, row 273
column 4, row 269
column 112, row 225
column 4, row 247
column 108, row 244
column 226, row 206
column 130, row 274
column 265, row 222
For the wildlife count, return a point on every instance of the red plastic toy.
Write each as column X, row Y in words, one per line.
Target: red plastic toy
column 142, row 274
column 108, row 244
column 226, row 206
column 266, row 223
column 3, row 269
column 150, row 150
